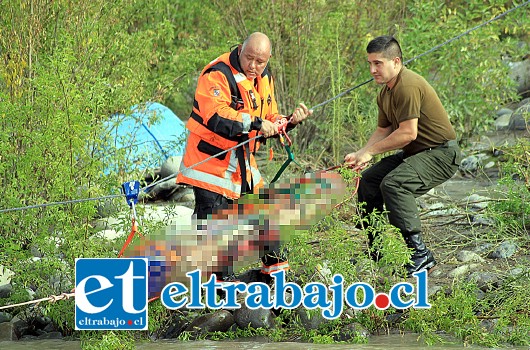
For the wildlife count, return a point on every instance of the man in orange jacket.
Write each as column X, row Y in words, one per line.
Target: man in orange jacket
column 234, row 102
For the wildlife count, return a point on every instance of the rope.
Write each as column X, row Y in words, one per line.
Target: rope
column 202, row 161
column 60, row 203
column 52, row 298
column 355, row 168
column 247, row 141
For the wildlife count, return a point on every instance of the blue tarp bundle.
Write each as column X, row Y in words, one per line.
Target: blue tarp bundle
column 148, row 136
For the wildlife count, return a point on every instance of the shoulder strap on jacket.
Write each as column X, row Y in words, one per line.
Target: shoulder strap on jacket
column 225, row 69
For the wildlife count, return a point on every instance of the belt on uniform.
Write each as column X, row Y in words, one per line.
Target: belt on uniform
column 450, row 143
column 446, row 144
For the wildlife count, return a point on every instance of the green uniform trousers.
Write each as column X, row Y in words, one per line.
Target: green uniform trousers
column 397, row 180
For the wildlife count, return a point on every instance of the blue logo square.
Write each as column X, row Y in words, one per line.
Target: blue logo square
column 111, row 294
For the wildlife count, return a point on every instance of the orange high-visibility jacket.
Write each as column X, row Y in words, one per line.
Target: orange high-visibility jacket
column 228, row 109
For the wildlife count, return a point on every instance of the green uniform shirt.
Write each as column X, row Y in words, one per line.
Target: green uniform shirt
column 413, row 97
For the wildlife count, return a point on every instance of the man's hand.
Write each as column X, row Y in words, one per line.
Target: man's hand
column 358, row 158
column 268, row 128
column 300, row 113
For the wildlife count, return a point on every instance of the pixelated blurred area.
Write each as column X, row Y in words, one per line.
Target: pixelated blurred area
column 238, row 236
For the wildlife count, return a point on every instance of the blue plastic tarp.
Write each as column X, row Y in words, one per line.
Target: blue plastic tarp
column 147, row 137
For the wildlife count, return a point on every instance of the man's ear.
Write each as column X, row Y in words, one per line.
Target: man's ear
column 239, row 49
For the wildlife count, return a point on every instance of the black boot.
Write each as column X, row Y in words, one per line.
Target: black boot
column 422, row 257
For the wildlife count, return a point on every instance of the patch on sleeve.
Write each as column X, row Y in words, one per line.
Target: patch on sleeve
column 215, row 91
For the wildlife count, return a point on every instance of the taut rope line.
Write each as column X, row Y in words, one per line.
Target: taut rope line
column 52, row 298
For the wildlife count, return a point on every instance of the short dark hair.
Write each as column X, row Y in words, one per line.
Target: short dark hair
column 387, row 45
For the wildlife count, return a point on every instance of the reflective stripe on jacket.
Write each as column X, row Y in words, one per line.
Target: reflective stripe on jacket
column 227, row 110
column 268, row 269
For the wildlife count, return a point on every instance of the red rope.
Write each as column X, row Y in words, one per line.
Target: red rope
column 134, row 230
column 355, row 168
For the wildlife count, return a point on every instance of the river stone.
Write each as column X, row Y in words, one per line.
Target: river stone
column 50, row 327
column 5, row 290
column 5, row 317
column 515, row 272
column 520, row 73
column 394, row 319
column 488, row 324
column 461, row 270
column 503, row 122
column 51, row 335
column 41, row 321
column 503, row 111
column 310, row 319
column 485, row 281
column 435, row 273
column 476, row 201
column 483, row 248
column 219, row 321
column 20, row 327
column 258, row 318
column 518, row 120
column 483, row 220
column 351, row 331
column 503, row 251
column 489, row 165
column 468, row 256
column 433, row 290
column 439, row 209
column 7, row 332
column 177, row 326
column 29, row 337
column 480, row 294
column 471, row 164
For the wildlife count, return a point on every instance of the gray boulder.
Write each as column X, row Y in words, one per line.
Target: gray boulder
column 520, row 118
column 258, row 318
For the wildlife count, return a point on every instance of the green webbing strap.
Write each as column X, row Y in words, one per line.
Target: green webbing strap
column 290, row 158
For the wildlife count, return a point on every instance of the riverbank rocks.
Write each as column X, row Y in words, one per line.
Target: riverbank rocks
column 485, row 281
column 254, row 318
column 520, row 73
column 7, row 332
column 351, row 331
column 119, row 226
column 519, row 120
column 32, row 328
column 310, row 319
column 218, row 321
column 468, row 256
column 462, row 270
column 504, row 250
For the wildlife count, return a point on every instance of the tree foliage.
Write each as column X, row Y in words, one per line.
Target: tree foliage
column 65, row 69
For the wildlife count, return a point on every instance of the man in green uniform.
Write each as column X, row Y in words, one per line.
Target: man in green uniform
column 411, row 119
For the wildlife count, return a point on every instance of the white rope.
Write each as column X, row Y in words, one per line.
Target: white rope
column 52, row 299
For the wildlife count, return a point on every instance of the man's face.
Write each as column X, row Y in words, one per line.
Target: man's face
column 382, row 69
column 253, row 61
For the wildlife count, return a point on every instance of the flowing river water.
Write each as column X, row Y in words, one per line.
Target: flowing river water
column 382, row 342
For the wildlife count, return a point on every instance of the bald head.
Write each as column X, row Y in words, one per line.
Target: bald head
column 254, row 54
column 257, row 41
